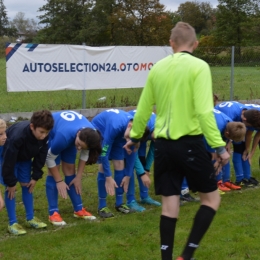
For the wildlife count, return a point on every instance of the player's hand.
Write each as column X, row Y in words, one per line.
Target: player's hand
column 224, row 158
column 31, row 185
column 124, row 183
column 217, row 166
column 62, row 188
column 249, row 157
column 146, row 180
column 245, row 155
column 77, row 184
column 11, row 192
column 131, row 147
column 110, row 186
column 1, row 202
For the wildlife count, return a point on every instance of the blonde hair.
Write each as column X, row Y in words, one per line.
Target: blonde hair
column 183, row 34
column 2, row 124
column 236, row 131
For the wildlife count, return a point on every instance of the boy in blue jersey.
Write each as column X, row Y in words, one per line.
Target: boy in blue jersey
column 24, row 157
column 114, row 126
column 72, row 132
column 229, row 131
column 2, row 142
column 250, row 116
column 142, row 167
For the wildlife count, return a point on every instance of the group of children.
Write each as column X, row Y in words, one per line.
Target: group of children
column 55, row 138
column 237, row 122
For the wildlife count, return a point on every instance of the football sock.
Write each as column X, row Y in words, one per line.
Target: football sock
column 102, row 194
column 200, row 226
column 130, row 195
column 28, row 202
column 10, row 207
column 246, row 169
column 52, row 195
column 143, row 190
column 167, row 230
column 74, row 197
column 226, row 172
column 119, row 175
column 237, row 162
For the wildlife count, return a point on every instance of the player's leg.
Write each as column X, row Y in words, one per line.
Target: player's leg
column 167, row 183
column 24, row 177
column 201, row 177
column 68, row 157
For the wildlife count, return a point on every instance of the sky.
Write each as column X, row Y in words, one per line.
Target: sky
column 30, row 7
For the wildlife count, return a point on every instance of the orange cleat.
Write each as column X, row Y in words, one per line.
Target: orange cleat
column 84, row 214
column 232, row 185
column 222, row 187
column 56, row 219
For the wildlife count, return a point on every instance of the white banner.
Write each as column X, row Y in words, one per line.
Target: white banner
column 40, row 67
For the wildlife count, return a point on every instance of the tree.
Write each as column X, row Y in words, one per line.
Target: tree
column 135, row 22
column 3, row 19
column 63, row 21
column 23, row 24
column 199, row 15
column 234, row 20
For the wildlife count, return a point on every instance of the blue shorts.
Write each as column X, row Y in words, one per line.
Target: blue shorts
column 22, row 172
column 116, row 152
column 68, row 155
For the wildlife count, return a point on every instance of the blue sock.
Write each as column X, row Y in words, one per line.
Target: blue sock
column 226, row 172
column 10, row 207
column 74, row 197
column 28, row 202
column 52, row 195
column 237, row 162
column 143, row 190
column 219, row 176
column 119, row 175
column 246, row 169
column 102, row 193
column 130, row 195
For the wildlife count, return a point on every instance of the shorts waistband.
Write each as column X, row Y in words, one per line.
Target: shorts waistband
column 183, row 138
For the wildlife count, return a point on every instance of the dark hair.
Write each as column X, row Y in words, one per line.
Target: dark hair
column 92, row 138
column 252, row 117
column 42, row 118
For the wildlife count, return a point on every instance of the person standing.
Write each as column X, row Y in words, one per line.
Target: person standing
column 180, row 86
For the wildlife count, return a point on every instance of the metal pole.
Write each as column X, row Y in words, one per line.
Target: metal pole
column 232, row 73
column 84, row 84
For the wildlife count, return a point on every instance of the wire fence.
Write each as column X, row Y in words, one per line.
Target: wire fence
column 235, row 76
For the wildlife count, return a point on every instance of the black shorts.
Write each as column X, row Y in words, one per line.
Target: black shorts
column 239, row 147
column 185, row 157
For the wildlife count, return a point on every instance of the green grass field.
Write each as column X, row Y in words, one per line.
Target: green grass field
column 234, row 233
column 246, row 87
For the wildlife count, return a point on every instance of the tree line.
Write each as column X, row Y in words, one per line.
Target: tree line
column 136, row 22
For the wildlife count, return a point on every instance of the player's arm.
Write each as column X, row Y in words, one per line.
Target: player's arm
column 144, row 110
column 84, row 155
column 58, row 144
column 203, row 103
column 248, row 138
column 254, row 145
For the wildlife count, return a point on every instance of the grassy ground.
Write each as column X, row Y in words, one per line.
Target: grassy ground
column 234, row 233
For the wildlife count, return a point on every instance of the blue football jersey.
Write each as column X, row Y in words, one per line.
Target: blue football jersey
column 232, row 109
column 66, row 126
column 221, row 120
column 112, row 124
